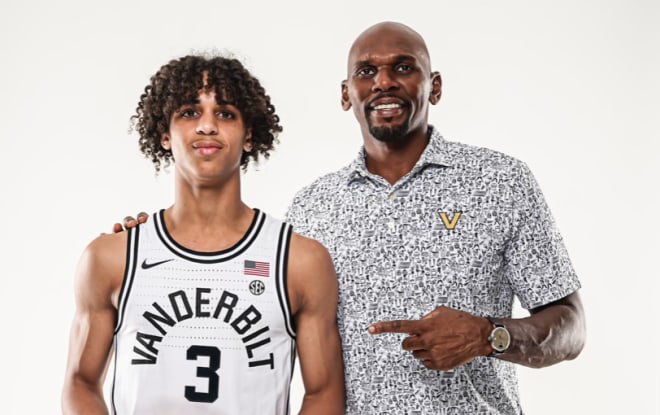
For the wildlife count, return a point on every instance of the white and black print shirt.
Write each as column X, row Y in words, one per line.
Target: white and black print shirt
column 467, row 228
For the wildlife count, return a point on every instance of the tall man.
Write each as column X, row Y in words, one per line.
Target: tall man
column 434, row 239
column 206, row 304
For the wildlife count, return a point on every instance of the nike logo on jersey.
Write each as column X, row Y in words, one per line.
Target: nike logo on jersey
column 146, row 265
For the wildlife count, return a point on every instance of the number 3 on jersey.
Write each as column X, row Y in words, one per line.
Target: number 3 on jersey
column 209, row 372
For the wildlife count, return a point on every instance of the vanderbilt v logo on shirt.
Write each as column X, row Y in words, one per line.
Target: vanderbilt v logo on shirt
column 450, row 224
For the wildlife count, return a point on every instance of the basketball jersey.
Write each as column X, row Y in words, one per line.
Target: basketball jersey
column 204, row 332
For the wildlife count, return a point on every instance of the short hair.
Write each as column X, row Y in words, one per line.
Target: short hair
column 179, row 81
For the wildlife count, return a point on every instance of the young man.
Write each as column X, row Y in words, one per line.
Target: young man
column 204, row 306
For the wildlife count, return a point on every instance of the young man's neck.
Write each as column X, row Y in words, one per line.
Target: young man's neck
column 208, row 219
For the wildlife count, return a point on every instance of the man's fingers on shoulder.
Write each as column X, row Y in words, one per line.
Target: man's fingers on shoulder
column 131, row 222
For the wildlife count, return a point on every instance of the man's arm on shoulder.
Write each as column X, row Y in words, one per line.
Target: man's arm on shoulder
column 552, row 333
column 98, row 277
column 312, row 285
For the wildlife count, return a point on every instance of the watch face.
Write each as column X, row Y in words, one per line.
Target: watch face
column 500, row 339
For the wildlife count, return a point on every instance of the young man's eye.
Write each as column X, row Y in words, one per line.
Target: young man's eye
column 403, row 67
column 226, row 114
column 188, row 113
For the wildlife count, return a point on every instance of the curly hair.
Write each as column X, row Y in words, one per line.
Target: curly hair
column 178, row 83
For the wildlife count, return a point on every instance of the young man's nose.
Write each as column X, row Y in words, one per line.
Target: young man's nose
column 207, row 125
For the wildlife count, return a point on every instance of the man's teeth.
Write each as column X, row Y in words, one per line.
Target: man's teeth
column 387, row 106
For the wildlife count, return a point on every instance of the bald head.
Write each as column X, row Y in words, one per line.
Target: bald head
column 390, row 85
column 389, row 37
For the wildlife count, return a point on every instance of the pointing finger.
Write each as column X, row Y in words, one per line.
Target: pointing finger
column 394, row 326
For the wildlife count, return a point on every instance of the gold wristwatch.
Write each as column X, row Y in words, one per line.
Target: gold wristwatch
column 499, row 339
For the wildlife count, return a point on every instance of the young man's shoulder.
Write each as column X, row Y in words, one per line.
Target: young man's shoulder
column 108, row 245
column 105, row 255
column 100, row 270
column 304, row 247
column 310, row 269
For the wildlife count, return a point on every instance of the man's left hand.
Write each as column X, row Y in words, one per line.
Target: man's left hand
column 443, row 339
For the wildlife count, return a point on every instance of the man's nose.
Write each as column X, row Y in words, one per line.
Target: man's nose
column 384, row 81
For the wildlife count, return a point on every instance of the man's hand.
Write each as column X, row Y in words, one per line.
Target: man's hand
column 443, row 339
column 130, row 222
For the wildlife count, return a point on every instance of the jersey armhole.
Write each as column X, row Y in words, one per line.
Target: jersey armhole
column 129, row 274
column 281, row 276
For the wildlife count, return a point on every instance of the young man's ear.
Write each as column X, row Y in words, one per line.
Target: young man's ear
column 247, row 146
column 165, row 141
column 345, row 102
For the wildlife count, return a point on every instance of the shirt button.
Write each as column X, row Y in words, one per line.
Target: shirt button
column 392, row 195
column 391, row 225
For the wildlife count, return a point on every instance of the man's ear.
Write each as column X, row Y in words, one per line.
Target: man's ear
column 165, row 141
column 247, row 145
column 345, row 102
column 436, row 88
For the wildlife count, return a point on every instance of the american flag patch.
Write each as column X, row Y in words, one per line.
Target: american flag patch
column 258, row 268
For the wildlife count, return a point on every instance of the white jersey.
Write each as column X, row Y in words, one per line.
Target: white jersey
column 204, row 332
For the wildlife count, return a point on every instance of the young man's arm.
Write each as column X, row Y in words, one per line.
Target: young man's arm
column 312, row 285
column 98, row 277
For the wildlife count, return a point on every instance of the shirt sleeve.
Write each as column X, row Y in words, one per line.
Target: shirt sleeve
column 536, row 261
column 296, row 214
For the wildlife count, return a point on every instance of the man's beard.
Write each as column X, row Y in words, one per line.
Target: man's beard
column 389, row 134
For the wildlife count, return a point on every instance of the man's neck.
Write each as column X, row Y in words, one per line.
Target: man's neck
column 393, row 160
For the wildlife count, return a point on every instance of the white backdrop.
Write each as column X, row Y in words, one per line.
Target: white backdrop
column 570, row 87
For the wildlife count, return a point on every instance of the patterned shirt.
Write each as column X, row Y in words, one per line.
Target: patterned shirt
column 467, row 228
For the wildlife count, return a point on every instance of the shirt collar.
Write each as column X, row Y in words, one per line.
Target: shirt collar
column 435, row 153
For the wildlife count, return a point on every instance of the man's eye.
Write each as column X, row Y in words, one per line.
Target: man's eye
column 404, row 68
column 362, row 72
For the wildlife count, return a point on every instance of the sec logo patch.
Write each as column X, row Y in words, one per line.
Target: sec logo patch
column 257, row 287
